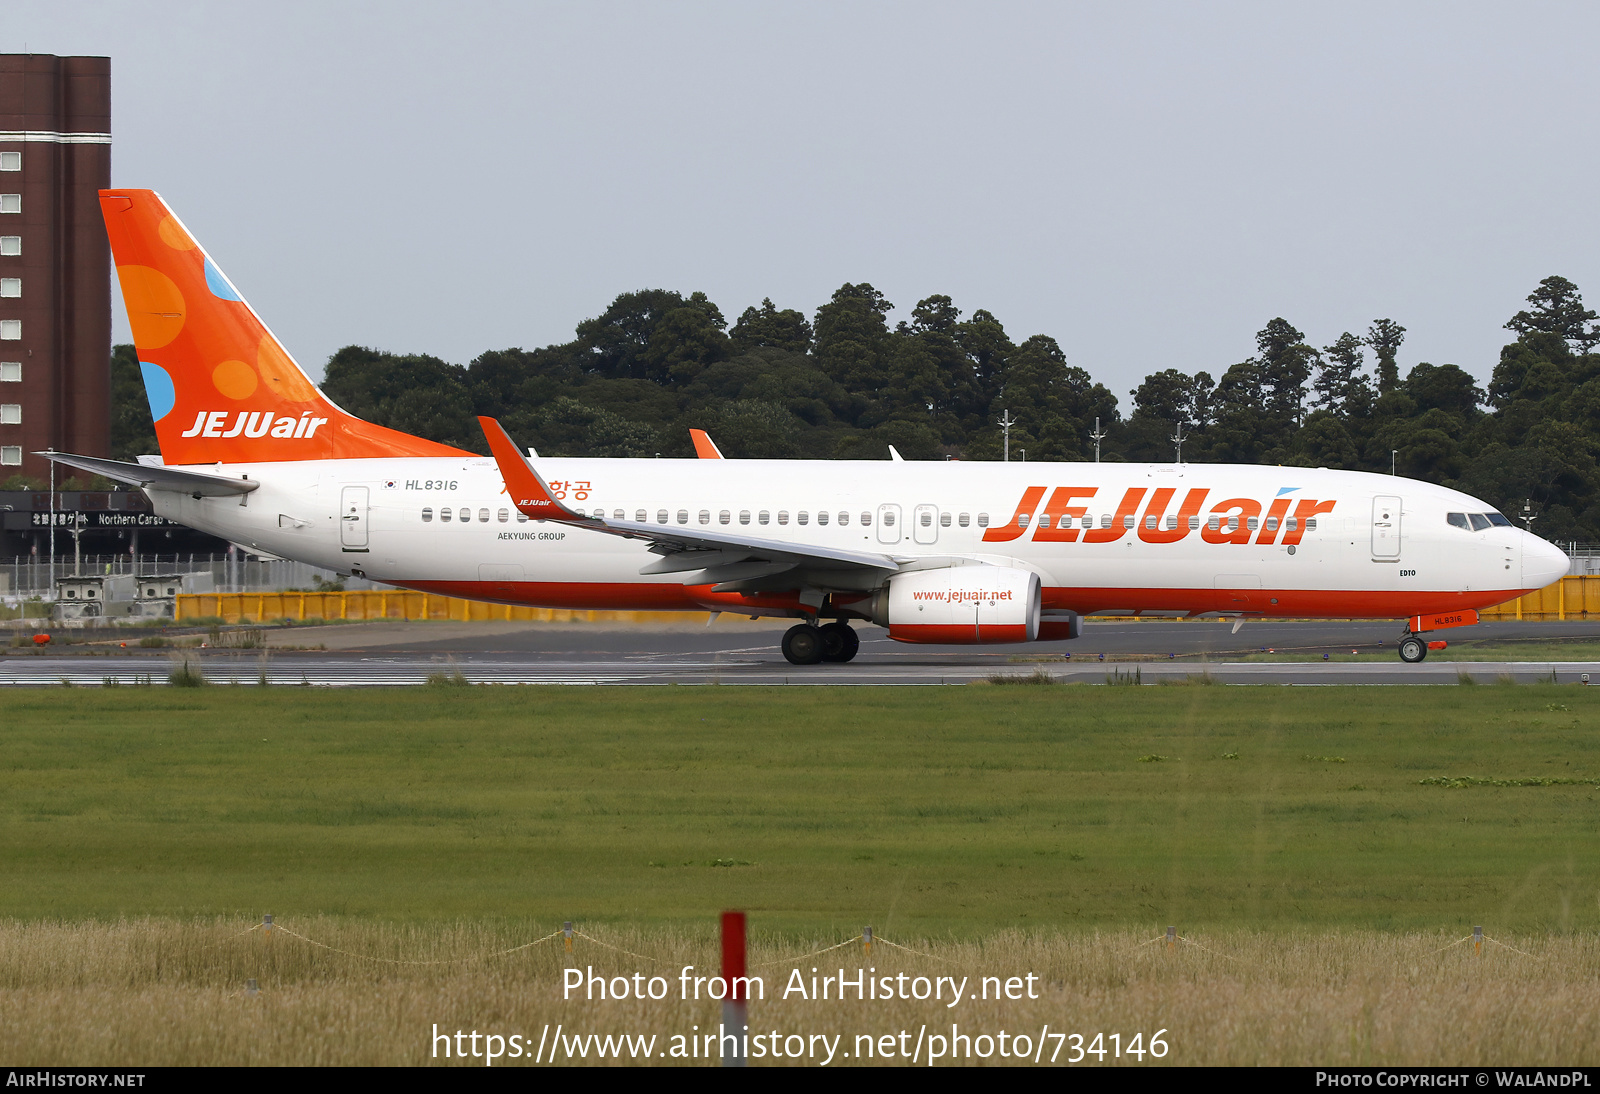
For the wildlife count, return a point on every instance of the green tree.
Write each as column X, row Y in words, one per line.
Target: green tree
column 1385, row 336
column 851, row 335
column 769, row 327
column 414, row 393
column 1342, row 386
column 133, row 433
column 1286, row 362
column 1558, row 309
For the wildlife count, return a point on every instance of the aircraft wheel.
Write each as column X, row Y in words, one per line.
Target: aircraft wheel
column 1412, row 649
column 839, row 642
column 803, row 644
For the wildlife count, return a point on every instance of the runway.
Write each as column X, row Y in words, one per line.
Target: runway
column 407, row 654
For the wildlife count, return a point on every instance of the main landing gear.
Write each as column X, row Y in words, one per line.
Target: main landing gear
column 806, row 644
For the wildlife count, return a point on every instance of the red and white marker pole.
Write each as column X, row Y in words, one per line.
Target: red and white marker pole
column 734, row 1015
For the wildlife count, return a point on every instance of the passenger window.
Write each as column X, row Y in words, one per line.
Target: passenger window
column 1194, row 522
column 483, row 515
column 983, row 520
column 866, row 520
column 1149, row 520
column 1023, row 519
column 1233, row 523
column 944, row 520
column 705, row 516
column 763, row 516
column 844, row 518
column 1479, row 521
column 465, row 515
column 618, row 514
column 1127, row 521
column 1172, row 522
column 1272, row 524
column 522, row 518
column 1252, row 523
column 783, row 516
column 888, row 520
column 927, row 520
column 802, row 517
column 683, row 516
column 661, row 516
column 724, row 517
column 1105, row 520
column 964, row 519
column 427, row 516
column 445, row 515
column 1214, row 521
column 822, row 518
column 744, row 516
column 505, row 515
column 1292, row 523
column 640, row 516
column 1311, row 524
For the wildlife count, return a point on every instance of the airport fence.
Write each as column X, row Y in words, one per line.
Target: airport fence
column 1570, row 598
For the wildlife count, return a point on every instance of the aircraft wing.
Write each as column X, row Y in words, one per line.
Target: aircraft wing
column 196, row 483
column 735, row 562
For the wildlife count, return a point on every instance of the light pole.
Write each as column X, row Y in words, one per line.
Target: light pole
column 1097, row 436
column 1393, row 452
column 1006, row 422
column 52, row 525
column 1177, row 439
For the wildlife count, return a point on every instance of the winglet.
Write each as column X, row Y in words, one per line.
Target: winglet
column 528, row 491
column 704, row 447
column 894, row 454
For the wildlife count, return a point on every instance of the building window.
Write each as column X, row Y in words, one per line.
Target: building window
column 10, row 245
column 11, row 372
column 10, row 413
column 10, row 161
column 10, row 286
column 11, row 455
column 10, row 330
column 10, row 203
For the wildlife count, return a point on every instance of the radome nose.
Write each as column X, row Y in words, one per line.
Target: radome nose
column 1542, row 562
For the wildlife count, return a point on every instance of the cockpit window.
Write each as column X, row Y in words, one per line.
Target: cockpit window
column 1458, row 520
column 1497, row 520
column 1479, row 521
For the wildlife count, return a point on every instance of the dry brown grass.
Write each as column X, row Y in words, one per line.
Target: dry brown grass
column 140, row 993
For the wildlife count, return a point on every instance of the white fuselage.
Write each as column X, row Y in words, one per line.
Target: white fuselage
column 385, row 519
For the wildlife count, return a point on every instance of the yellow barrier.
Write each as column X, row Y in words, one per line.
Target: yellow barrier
column 392, row 604
column 1569, row 598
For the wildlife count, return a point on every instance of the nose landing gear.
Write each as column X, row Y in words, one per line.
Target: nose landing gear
column 805, row 644
column 1412, row 649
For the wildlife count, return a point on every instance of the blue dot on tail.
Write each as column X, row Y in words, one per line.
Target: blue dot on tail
column 218, row 284
column 158, row 390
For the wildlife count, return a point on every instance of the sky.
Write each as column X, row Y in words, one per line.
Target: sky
column 1147, row 183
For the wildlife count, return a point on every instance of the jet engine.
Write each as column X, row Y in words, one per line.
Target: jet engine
column 960, row 605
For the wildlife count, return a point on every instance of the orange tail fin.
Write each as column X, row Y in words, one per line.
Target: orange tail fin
column 221, row 388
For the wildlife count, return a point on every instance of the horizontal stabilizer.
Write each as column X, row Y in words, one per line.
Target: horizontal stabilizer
column 157, row 478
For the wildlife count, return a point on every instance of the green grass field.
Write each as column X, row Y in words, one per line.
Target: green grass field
column 927, row 812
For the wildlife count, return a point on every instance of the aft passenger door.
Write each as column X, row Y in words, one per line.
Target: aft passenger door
column 353, row 514
column 1386, row 529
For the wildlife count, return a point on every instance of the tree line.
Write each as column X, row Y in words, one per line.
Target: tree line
column 845, row 384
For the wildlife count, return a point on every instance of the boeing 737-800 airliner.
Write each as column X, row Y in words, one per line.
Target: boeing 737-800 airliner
column 955, row 552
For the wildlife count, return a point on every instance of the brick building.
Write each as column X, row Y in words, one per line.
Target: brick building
column 55, row 263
